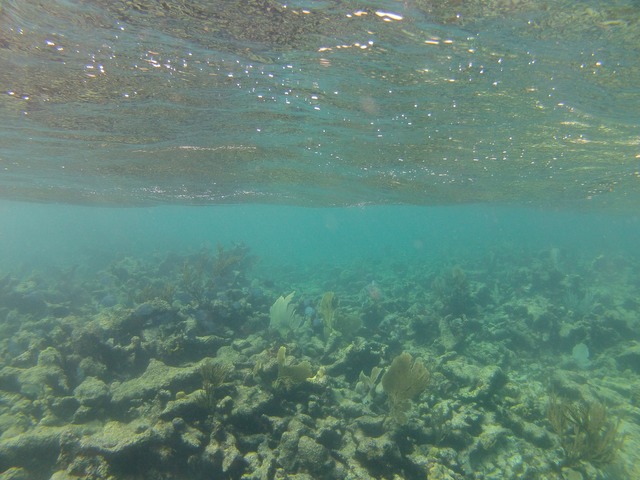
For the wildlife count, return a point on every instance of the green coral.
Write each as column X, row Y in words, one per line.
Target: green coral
column 367, row 383
column 403, row 381
column 290, row 375
column 337, row 321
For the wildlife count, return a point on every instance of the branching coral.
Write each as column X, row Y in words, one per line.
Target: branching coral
column 585, row 429
column 213, row 375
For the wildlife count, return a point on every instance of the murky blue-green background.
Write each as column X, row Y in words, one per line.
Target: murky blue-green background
column 38, row 237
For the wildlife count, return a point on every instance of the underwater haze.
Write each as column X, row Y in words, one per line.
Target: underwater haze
column 245, row 239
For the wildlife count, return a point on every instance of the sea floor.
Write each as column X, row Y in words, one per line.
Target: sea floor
column 213, row 365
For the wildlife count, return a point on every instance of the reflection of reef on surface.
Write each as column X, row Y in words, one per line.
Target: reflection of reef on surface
column 172, row 359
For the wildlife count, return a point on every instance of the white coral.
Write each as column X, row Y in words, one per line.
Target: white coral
column 282, row 315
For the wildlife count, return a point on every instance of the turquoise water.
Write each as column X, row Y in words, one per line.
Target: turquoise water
column 454, row 181
column 53, row 235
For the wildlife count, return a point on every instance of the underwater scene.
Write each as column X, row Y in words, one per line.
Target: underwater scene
column 319, row 239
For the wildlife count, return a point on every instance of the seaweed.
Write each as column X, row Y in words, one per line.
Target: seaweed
column 453, row 291
column 227, row 260
column 203, row 274
column 586, row 431
column 327, row 311
column 157, row 290
column 193, row 280
column 335, row 321
column 214, row 375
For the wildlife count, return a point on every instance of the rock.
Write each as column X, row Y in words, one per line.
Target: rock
column 313, row 457
column 536, row 435
column 64, row 407
column 372, row 426
column 223, row 456
column 27, row 301
column 491, row 435
column 125, row 323
column 569, row 384
column 188, row 407
column 191, row 438
column 254, row 463
column 118, row 438
column 84, row 414
column 465, row 420
column 49, row 357
column 36, row 381
column 356, row 357
column 440, row 472
column 92, row 392
column 479, row 382
column 378, row 453
column 629, row 358
column 492, row 379
column 90, row 367
column 63, row 475
column 330, row 432
column 419, row 463
column 251, row 403
column 232, row 458
column 15, row 473
column 298, row 476
column 287, row 449
column 260, row 465
column 571, row 474
column 157, row 376
column 353, row 409
column 35, row 450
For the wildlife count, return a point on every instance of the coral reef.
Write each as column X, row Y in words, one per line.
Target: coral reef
column 169, row 369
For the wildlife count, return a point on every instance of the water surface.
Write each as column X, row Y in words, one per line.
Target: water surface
column 321, row 103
